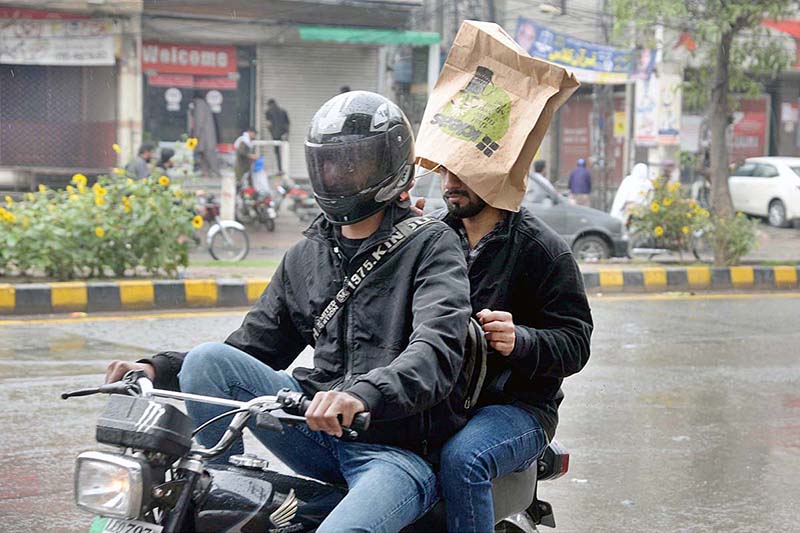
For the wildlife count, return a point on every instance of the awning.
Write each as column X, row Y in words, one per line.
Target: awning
column 792, row 27
column 368, row 36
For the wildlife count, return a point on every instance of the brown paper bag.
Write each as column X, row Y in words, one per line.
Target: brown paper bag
column 489, row 111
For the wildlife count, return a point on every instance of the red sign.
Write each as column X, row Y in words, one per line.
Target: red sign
column 749, row 137
column 35, row 14
column 165, row 58
column 183, row 81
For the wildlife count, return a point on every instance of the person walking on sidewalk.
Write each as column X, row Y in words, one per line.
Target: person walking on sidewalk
column 580, row 184
column 278, row 126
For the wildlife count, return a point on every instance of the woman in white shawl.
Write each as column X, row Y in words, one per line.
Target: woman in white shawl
column 633, row 191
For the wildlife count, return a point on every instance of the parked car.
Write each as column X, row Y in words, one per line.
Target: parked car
column 592, row 234
column 768, row 187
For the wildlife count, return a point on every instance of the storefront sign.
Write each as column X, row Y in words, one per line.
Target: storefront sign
column 749, row 137
column 164, row 58
column 591, row 63
column 645, row 129
column 58, row 42
column 669, row 109
column 192, row 82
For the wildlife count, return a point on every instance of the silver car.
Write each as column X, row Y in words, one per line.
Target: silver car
column 592, row 234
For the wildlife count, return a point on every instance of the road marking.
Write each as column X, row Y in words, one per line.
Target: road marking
column 696, row 296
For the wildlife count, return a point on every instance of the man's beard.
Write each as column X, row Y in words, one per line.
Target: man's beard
column 468, row 210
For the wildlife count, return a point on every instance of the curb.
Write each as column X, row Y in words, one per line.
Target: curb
column 693, row 278
column 129, row 295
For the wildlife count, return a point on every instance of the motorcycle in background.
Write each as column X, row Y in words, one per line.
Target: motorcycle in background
column 254, row 201
column 226, row 240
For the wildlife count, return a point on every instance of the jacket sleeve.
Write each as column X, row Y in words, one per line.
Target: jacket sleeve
column 556, row 343
column 426, row 371
column 267, row 333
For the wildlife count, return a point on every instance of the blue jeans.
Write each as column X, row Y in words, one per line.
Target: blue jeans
column 388, row 488
column 498, row 440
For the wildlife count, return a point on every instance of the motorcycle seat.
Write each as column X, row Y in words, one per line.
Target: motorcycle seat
column 511, row 494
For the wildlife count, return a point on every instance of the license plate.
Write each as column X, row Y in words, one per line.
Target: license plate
column 102, row 524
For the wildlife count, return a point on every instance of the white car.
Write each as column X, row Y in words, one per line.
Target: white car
column 768, row 187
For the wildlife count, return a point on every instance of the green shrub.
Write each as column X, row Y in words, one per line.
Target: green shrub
column 732, row 238
column 114, row 227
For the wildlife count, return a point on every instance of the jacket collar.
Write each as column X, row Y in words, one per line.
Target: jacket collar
column 321, row 230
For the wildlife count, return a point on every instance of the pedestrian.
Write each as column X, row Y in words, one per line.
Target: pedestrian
column 165, row 161
column 201, row 126
column 527, row 292
column 580, row 184
column 634, row 190
column 140, row 166
column 278, row 126
column 245, row 153
column 393, row 347
column 537, row 175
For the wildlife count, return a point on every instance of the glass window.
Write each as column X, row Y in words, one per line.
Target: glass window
column 765, row 171
column 745, row 170
column 796, row 170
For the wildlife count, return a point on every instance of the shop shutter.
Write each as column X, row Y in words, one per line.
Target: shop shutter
column 301, row 78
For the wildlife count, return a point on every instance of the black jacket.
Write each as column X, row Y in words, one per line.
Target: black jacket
column 529, row 271
column 396, row 344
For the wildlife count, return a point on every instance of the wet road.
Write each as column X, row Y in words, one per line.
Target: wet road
column 687, row 417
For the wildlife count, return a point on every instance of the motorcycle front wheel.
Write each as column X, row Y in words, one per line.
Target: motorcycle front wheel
column 229, row 244
column 270, row 224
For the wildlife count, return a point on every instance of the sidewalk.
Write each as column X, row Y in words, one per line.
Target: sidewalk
column 207, row 283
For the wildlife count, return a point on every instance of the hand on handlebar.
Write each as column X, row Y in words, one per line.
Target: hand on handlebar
column 330, row 410
column 117, row 369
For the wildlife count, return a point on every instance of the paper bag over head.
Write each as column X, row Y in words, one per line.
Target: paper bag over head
column 489, row 111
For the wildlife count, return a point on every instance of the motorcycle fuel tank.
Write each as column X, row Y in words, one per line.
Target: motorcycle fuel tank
column 243, row 499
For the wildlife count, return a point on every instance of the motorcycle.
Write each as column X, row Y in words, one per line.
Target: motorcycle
column 157, row 480
column 302, row 202
column 226, row 239
column 252, row 206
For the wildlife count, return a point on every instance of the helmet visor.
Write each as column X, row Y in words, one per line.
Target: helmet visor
column 347, row 168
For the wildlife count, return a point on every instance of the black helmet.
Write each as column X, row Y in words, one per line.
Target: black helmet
column 360, row 155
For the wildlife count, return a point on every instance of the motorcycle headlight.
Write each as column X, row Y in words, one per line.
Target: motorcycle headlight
column 110, row 485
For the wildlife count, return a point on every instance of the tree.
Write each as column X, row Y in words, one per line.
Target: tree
column 737, row 56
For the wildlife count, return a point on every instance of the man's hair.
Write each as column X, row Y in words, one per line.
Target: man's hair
column 146, row 147
column 344, row 89
column 271, row 101
column 539, row 165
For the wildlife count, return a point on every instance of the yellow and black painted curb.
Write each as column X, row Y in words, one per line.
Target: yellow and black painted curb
column 126, row 295
column 702, row 278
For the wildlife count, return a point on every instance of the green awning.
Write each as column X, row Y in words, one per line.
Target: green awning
column 368, row 36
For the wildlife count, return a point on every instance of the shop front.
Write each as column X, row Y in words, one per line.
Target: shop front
column 175, row 73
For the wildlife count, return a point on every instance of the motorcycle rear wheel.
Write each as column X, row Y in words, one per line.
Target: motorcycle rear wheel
column 233, row 248
column 270, row 224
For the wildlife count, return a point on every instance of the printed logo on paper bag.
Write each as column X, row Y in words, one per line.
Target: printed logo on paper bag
column 479, row 113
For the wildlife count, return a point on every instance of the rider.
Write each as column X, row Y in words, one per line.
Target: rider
column 527, row 292
column 394, row 349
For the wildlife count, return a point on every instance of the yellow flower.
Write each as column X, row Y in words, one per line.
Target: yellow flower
column 9, row 200
column 81, row 188
column 130, row 181
column 659, row 231
column 197, row 222
column 126, row 204
column 191, row 143
column 739, row 215
column 116, row 148
column 73, row 197
column 654, row 207
column 78, row 179
column 178, row 193
column 688, row 215
column 100, row 232
column 674, row 186
column 42, row 188
column 98, row 189
column 29, row 197
column 667, row 202
column 163, row 181
column 26, row 223
column 70, row 189
column 704, row 213
column 685, row 230
column 119, row 171
column 11, row 217
column 99, row 200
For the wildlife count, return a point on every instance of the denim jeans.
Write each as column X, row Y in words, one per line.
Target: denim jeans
column 388, row 487
column 498, row 440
